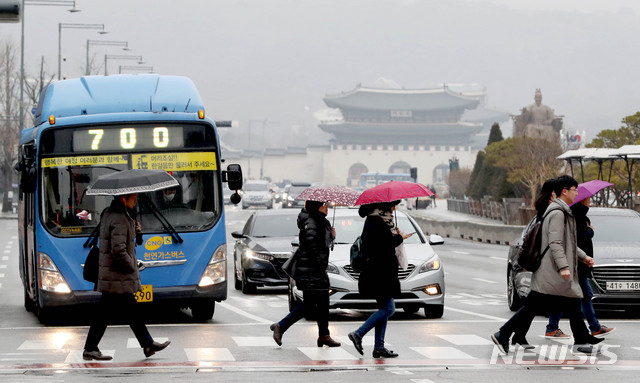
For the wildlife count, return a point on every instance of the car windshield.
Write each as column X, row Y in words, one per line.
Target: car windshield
column 615, row 228
column 275, row 226
column 349, row 228
column 255, row 187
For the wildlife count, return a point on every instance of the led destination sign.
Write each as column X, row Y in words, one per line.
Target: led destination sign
column 127, row 138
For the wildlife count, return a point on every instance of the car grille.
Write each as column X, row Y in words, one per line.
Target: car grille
column 604, row 274
column 402, row 274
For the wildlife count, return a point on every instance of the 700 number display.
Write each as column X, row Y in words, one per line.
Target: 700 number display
column 128, row 137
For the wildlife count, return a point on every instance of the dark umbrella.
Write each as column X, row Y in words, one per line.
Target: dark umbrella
column 131, row 181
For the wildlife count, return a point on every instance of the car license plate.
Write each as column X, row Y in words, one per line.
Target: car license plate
column 623, row 286
column 146, row 295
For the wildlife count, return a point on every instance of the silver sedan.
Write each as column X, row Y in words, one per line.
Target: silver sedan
column 422, row 283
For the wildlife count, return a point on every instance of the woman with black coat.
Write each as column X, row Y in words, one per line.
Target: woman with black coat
column 379, row 276
column 310, row 273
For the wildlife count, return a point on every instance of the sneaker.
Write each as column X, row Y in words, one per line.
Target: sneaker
column 522, row 343
column 555, row 334
column 501, row 342
column 603, row 331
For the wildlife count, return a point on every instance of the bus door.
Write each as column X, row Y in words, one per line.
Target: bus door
column 26, row 221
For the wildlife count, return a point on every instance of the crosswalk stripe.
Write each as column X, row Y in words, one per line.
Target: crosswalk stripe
column 442, row 353
column 328, row 353
column 209, row 354
column 465, row 339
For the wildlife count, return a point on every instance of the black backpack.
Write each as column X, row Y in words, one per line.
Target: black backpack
column 529, row 255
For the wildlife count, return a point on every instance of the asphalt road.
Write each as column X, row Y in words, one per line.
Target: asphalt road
column 236, row 345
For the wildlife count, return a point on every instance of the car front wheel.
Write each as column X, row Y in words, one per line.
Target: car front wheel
column 433, row 311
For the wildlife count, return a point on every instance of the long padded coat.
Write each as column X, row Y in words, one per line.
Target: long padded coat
column 118, row 271
column 379, row 276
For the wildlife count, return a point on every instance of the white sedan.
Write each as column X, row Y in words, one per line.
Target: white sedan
column 422, row 283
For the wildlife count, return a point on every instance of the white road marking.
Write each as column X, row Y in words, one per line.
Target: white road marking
column 484, row 280
column 209, row 354
column 244, row 313
column 327, row 353
column 447, row 308
column 461, row 252
column 442, row 353
column 465, row 339
column 498, row 259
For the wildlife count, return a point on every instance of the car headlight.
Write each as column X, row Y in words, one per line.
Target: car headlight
column 50, row 278
column 431, row 264
column 252, row 254
column 216, row 270
column 333, row 269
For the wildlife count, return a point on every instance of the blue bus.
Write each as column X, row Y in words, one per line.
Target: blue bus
column 95, row 125
column 369, row 180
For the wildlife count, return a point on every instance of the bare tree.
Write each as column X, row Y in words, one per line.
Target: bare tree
column 33, row 86
column 9, row 117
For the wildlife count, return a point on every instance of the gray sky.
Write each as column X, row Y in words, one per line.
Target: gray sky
column 275, row 60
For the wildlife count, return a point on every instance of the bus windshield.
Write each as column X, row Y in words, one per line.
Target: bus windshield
column 193, row 205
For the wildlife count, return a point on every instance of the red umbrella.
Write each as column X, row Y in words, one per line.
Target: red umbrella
column 393, row 191
column 339, row 195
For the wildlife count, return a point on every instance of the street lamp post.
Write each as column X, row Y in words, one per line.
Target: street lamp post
column 147, row 69
column 60, row 3
column 123, row 44
column 120, row 57
column 75, row 26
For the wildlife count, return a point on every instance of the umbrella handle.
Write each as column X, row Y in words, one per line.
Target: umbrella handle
column 334, row 217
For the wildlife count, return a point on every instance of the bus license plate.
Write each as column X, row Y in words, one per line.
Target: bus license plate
column 623, row 286
column 146, row 295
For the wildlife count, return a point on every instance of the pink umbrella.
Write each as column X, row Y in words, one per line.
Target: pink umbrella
column 590, row 188
column 393, row 191
column 339, row 195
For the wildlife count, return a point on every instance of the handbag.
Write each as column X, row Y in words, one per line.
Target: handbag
column 289, row 266
column 402, row 257
column 91, row 264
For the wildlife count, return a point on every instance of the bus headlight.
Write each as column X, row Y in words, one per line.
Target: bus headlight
column 50, row 278
column 216, row 270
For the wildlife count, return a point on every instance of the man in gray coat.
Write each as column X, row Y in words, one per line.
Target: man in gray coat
column 119, row 279
column 554, row 286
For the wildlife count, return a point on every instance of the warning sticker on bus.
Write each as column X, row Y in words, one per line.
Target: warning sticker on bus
column 175, row 161
column 58, row 162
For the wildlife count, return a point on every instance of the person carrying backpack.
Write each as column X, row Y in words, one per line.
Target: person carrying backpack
column 554, row 285
column 379, row 276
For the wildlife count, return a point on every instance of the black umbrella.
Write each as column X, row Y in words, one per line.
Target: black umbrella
column 132, row 181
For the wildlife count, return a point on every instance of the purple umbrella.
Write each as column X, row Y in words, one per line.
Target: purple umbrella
column 590, row 188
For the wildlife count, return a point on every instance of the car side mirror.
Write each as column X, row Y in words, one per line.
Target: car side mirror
column 238, row 235
column 435, row 239
column 235, row 198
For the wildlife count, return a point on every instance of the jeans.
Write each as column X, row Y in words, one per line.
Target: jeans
column 109, row 305
column 386, row 308
column 586, row 305
column 537, row 303
column 315, row 303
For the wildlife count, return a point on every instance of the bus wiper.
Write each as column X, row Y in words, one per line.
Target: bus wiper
column 163, row 220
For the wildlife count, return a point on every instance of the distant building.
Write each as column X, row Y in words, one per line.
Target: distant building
column 390, row 131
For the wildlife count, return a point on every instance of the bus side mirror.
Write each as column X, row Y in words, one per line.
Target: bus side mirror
column 233, row 176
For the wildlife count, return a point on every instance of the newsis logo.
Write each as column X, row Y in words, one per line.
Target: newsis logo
column 553, row 355
column 154, row 243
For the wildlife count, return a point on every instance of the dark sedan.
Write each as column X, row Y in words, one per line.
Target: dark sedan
column 262, row 247
column 616, row 253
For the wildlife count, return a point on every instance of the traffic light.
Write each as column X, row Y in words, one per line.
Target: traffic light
column 414, row 174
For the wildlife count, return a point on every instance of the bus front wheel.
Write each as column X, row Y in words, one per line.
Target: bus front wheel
column 203, row 311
